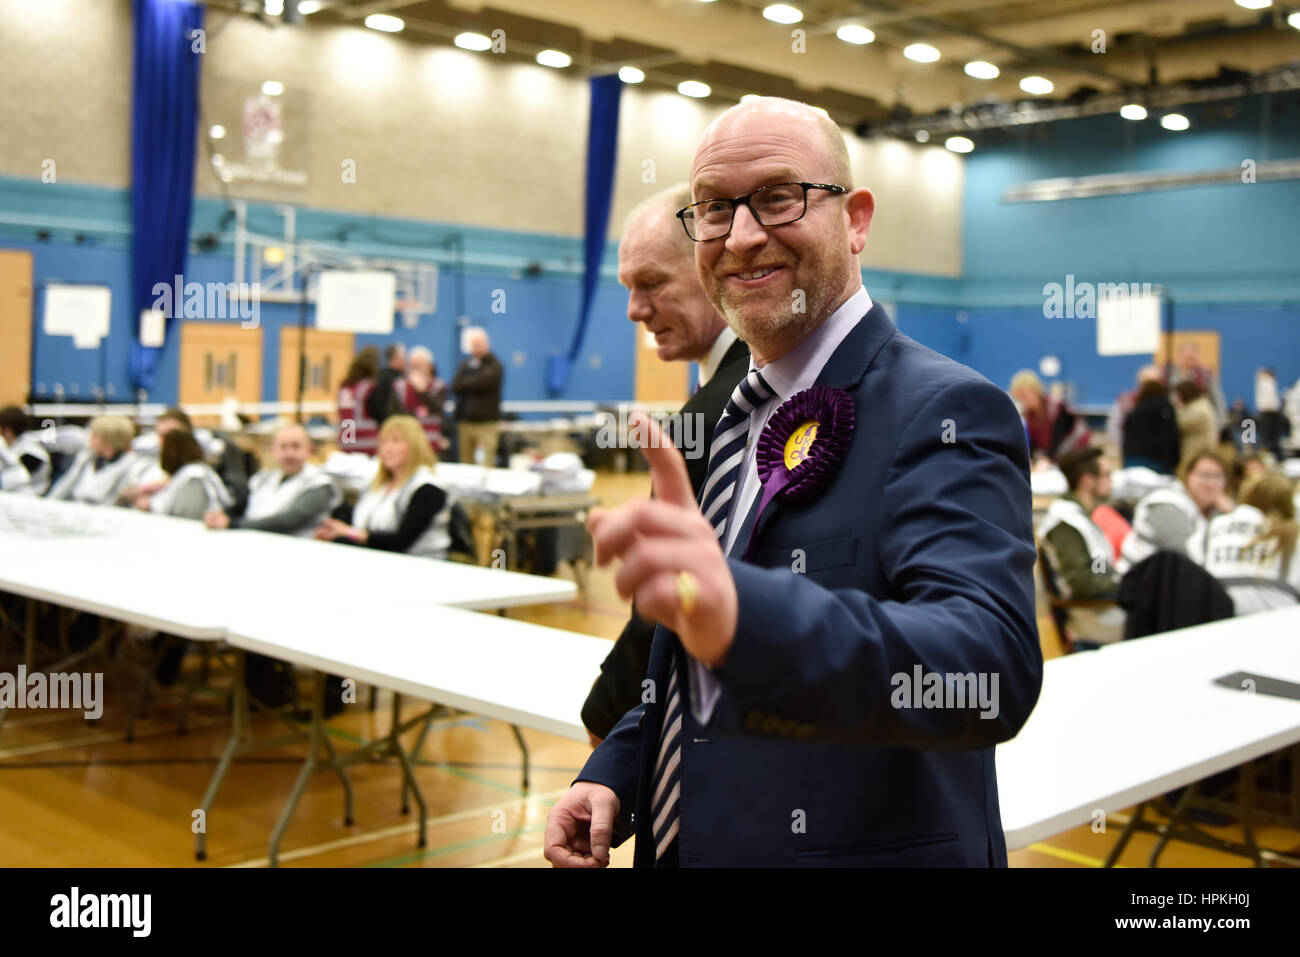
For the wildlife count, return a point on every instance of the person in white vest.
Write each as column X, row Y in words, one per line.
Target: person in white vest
column 1078, row 551
column 1169, row 519
column 29, row 452
column 193, row 488
column 292, row 498
column 1251, row 549
column 105, row 467
column 404, row 510
column 14, row 477
column 149, row 475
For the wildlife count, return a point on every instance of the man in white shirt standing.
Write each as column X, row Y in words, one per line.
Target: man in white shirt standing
column 656, row 263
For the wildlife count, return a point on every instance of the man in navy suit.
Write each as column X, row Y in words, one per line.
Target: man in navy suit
column 829, row 678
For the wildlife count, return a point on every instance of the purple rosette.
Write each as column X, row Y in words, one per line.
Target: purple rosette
column 803, row 444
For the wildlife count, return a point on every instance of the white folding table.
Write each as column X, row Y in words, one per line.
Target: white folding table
column 1134, row 720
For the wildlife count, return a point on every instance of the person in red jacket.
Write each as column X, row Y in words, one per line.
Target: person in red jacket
column 358, row 432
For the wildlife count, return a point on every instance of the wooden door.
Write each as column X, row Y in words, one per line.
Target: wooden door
column 1204, row 344
column 328, row 356
column 15, row 326
column 656, row 380
column 219, row 360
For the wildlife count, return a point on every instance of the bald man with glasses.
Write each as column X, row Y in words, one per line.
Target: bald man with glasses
column 846, row 614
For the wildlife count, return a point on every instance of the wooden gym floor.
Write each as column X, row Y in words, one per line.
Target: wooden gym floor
column 77, row 794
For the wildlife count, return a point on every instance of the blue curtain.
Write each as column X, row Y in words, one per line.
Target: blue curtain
column 164, row 132
column 602, row 145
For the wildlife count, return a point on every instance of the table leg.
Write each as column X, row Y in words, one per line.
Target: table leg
column 238, row 730
column 408, row 773
column 348, row 803
column 523, row 747
column 308, row 766
column 1125, row 836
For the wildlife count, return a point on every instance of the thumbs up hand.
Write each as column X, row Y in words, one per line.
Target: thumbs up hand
column 671, row 561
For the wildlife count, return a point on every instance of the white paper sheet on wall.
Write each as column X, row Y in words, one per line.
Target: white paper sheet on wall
column 356, row 301
column 72, row 310
column 153, row 325
column 1129, row 324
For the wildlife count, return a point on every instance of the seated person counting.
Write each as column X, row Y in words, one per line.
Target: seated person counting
column 404, row 510
column 292, row 498
column 1168, row 518
column 25, row 448
column 104, row 468
column 1251, row 549
column 193, row 488
column 1078, row 551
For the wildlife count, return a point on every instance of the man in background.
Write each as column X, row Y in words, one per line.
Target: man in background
column 656, row 262
column 1080, row 555
column 26, row 450
column 424, row 395
column 477, row 387
column 384, row 399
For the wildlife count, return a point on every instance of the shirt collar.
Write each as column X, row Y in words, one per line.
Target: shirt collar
column 709, row 364
column 799, row 368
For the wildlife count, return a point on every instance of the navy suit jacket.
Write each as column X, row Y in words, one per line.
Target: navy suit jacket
column 919, row 552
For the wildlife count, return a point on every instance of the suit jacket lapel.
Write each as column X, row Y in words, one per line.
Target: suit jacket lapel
column 843, row 370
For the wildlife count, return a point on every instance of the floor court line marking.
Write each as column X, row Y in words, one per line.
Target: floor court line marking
column 534, row 854
column 429, row 852
column 1066, row 855
column 397, row 829
column 95, row 739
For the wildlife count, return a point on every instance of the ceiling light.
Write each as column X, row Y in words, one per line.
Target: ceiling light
column 921, row 53
column 1254, row 4
column 273, row 8
column 1037, row 85
column 982, row 70
column 1294, row 20
column 1175, row 121
column 959, row 144
column 554, row 58
column 1133, row 111
column 472, row 41
column 923, row 136
column 217, row 132
column 630, row 74
column 308, row 7
column 694, row 88
column 782, row 13
column 386, row 23
column 852, row 33
column 272, row 87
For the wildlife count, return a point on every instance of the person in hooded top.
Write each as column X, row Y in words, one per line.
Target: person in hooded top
column 193, row 488
column 1251, row 549
column 404, row 509
column 27, row 451
column 1169, row 518
column 292, row 498
column 104, row 468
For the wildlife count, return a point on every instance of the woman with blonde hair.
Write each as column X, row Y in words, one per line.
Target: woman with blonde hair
column 105, row 467
column 404, row 510
column 1251, row 549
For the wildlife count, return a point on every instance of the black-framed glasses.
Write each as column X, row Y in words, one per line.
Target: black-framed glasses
column 774, row 205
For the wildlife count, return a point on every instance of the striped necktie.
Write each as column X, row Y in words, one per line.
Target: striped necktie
column 726, row 455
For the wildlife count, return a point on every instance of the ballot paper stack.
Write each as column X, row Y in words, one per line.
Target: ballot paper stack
column 38, row 518
column 562, row 473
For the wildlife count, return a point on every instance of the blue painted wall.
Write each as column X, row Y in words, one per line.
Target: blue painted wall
column 1229, row 255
